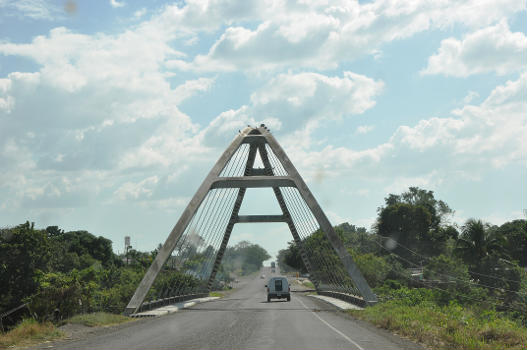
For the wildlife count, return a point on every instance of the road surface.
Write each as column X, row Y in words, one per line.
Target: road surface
column 245, row 320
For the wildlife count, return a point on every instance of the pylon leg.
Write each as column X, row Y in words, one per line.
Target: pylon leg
column 181, row 225
column 287, row 214
column 233, row 218
column 323, row 221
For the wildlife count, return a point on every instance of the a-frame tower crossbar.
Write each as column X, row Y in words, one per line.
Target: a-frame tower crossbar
column 257, row 138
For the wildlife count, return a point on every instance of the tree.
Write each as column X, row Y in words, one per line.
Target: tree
column 419, row 197
column 293, row 259
column 477, row 241
column 244, row 258
column 515, row 234
column 24, row 254
column 415, row 220
column 450, row 271
column 357, row 238
column 373, row 268
column 83, row 242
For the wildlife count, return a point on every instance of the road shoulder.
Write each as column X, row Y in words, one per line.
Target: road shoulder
column 395, row 338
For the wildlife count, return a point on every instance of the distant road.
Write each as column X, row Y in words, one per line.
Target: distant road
column 244, row 320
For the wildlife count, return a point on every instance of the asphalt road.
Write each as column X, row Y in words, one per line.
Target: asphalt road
column 245, row 320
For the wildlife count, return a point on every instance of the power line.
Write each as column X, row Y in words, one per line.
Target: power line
column 428, row 258
column 463, row 295
column 453, row 277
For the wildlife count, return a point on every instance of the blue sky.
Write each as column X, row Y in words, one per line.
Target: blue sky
column 112, row 112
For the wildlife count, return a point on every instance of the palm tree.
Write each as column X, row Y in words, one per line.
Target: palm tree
column 477, row 241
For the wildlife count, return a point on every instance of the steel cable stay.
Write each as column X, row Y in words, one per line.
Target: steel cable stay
column 294, row 216
column 198, row 223
column 306, row 232
column 215, row 225
column 276, row 162
column 212, row 219
column 287, row 210
column 195, row 221
column 227, row 170
column 232, row 213
column 221, row 226
column 197, row 242
column 318, row 260
column 234, row 161
column 185, row 242
column 206, row 230
column 224, row 216
column 182, row 239
column 309, row 228
column 215, row 194
column 225, row 201
column 312, row 227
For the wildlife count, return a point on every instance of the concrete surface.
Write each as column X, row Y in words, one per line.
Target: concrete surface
column 245, row 320
column 168, row 309
column 340, row 304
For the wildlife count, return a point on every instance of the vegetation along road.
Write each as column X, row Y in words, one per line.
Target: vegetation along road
column 245, row 320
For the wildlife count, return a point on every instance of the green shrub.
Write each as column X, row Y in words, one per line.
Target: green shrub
column 373, row 268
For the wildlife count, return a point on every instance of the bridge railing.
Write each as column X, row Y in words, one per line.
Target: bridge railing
column 352, row 299
column 154, row 304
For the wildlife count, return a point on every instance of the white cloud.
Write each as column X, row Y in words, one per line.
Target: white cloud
column 116, row 4
column 139, row 190
column 476, row 136
column 464, row 144
column 98, row 120
column 430, row 181
column 470, row 96
column 364, row 129
column 319, row 35
column 33, row 9
column 290, row 102
column 140, row 13
column 84, row 112
column 492, row 49
column 191, row 87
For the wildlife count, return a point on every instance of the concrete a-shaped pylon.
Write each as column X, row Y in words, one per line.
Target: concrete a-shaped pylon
column 257, row 139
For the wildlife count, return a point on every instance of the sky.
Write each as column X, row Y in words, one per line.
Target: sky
column 113, row 112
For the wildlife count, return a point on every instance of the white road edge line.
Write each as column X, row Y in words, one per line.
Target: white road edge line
column 330, row 326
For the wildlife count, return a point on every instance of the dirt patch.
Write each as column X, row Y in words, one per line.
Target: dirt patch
column 76, row 331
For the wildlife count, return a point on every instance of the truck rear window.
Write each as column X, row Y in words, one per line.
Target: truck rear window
column 278, row 285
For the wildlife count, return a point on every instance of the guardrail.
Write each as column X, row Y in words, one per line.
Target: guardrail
column 167, row 301
column 7, row 313
column 353, row 299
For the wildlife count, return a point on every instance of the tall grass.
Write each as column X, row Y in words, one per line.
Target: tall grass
column 29, row 332
column 447, row 327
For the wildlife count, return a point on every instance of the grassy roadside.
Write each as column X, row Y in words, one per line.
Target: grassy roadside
column 219, row 294
column 29, row 332
column 96, row 319
column 308, row 284
column 447, row 327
